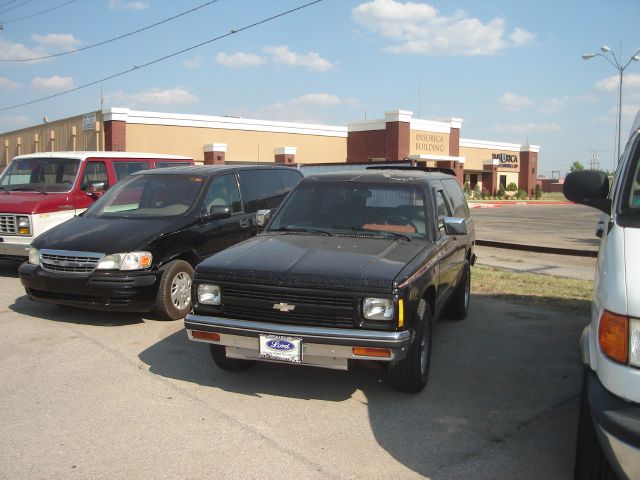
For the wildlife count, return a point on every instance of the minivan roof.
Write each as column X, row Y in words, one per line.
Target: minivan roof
column 209, row 169
column 88, row 154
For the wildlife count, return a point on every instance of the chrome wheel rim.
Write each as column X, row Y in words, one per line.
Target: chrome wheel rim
column 181, row 291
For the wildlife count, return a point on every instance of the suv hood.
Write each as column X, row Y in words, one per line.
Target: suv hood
column 632, row 272
column 313, row 261
column 104, row 235
column 31, row 202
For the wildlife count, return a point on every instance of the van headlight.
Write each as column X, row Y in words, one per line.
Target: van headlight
column 24, row 226
column 377, row 308
column 209, row 294
column 126, row 261
column 634, row 342
column 34, row 256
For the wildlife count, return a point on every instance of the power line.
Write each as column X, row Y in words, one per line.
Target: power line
column 37, row 13
column 111, row 39
column 2, row 9
column 157, row 60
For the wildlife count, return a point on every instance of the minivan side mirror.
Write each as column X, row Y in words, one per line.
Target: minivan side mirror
column 218, row 212
column 588, row 187
column 263, row 217
column 455, row 226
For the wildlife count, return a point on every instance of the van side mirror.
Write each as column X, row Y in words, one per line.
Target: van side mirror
column 218, row 212
column 263, row 217
column 455, row 226
column 588, row 187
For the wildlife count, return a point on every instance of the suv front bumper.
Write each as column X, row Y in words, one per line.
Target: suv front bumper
column 617, row 423
column 321, row 346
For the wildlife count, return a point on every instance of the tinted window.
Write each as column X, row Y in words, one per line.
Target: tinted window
column 223, row 192
column 172, row 164
column 261, row 189
column 124, row 169
column 288, row 178
column 454, row 192
column 441, row 209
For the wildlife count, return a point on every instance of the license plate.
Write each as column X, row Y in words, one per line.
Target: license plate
column 277, row 347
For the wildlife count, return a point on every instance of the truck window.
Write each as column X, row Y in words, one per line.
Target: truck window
column 124, row 169
column 456, row 197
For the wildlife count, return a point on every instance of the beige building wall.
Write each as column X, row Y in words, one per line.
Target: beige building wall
column 82, row 132
column 475, row 158
column 242, row 145
column 428, row 143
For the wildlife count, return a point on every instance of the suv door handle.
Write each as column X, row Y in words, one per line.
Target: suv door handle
column 244, row 223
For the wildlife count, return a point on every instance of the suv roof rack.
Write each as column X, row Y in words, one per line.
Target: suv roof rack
column 447, row 171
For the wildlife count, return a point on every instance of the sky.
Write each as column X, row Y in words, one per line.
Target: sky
column 511, row 70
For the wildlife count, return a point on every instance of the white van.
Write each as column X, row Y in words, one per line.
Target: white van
column 609, row 428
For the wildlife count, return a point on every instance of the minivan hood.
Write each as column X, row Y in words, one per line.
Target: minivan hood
column 104, row 235
column 32, row 202
column 632, row 272
column 313, row 261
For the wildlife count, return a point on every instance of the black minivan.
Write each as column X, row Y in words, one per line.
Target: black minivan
column 135, row 249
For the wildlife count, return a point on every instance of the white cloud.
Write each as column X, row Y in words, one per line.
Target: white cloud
column 56, row 41
column 610, row 84
column 123, row 5
column 554, row 104
column 11, row 51
column 239, row 59
column 419, row 28
column 527, row 128
column 7, row 84
column 306, row 108
column 312, row 61
column 56, row 82
column 193, row 62
column 514, row 103
column 153, row 97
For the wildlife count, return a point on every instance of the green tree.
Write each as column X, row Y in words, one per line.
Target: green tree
column 575, row 166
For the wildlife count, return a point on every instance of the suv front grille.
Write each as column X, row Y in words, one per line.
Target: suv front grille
column 290, row 307
column 8, row 224
column 64, row 261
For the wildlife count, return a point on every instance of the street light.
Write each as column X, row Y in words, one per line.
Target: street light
column 607, row 54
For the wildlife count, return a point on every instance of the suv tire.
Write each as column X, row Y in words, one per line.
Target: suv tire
column 459, row 303
column 411, row 373
column 173, row 300
column 219, row 354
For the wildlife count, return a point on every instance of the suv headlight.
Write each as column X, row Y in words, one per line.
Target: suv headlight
column 377, row 308
column 24, row 226
column 34, row 256
column 209, row 294
column 126, row 261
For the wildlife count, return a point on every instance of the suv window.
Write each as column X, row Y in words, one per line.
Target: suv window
column 223, row 191
column 261, row 189
column 441, row 209
column 124, row 169
column 459, row 203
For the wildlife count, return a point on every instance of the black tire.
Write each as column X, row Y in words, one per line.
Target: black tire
column 218, row 352
column 173, row 300
column 411, row 373
column 459, row 302
column 591, row 462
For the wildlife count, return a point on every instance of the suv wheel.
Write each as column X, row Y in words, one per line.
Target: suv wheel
column 174, row 293
column 591, row 462
column 218, row 352
column 459, row 303
column 411, row 373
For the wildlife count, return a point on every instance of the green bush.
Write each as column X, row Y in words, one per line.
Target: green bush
column 538, row 192
column 476, row 191
column 512, row 187
column 521, row 195
column 466, row 189
column 500, row 194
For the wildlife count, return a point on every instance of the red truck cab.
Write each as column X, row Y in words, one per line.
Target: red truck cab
column 41, row 190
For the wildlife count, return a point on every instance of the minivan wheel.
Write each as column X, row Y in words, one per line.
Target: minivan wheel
column 591, row 462
column 173, row 300
column 459, row 303
column 219, row 354
column 411, row 373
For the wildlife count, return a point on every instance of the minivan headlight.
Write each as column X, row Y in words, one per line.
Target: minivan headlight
column 377, row 308
column 126, row 261
column 34, row 256
column 209, row 294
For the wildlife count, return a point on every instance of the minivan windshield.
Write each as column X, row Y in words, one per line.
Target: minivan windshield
column 353, row 208
column 40, row 175
column 149, row 196
column 631, row 196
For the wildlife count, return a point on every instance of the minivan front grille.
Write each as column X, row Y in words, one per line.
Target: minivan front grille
column 65, row 261
column 8, row 224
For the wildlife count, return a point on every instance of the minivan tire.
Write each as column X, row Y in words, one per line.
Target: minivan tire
column 173, row 300
column 219, row 354
column 458, row 306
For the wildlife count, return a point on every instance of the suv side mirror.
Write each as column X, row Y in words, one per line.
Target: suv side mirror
column 455, row 226
column 588, row 187
column 263, row 217
column 218, row 212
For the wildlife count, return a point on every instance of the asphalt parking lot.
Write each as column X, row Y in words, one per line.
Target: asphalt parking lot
column 102, row 395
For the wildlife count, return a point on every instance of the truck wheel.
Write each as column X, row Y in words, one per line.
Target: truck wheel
column 173, row 300
column 591, row 462
column 218, row 352
column 411, row 373
column 459, row 303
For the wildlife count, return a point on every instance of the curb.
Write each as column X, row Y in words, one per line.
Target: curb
column 539, row 249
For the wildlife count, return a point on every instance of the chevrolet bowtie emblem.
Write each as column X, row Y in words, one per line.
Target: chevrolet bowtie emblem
column 283, row 307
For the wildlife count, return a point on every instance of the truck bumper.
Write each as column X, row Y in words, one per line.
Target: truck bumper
column 10, row 250
column 617, row 423
column 321, row 346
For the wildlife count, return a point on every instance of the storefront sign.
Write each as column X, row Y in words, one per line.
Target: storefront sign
column 505, row 160
column 89, row 121
column 430, row 143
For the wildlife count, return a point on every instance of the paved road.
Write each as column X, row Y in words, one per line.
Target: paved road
column 91, row 395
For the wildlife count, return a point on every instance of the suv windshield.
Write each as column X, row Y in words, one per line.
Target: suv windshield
column 40, row 175
column 353, row 208
column 149, row 196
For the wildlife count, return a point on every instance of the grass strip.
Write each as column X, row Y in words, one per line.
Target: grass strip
column 557, row 293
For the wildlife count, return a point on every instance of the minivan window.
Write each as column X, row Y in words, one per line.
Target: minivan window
column 124, row 169
column 631, row 195
column 149, row 196
column 223, row 192
column 40, row 174
column 261, row 189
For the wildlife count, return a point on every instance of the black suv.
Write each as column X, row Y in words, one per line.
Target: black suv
column 354, row 266
column 135, row 249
